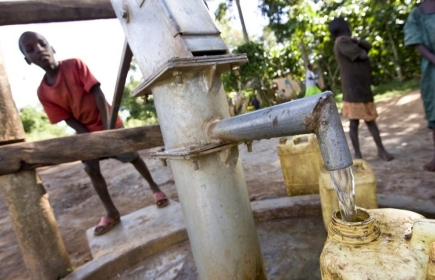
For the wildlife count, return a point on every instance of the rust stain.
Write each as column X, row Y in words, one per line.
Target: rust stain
column 313, row 120
column 275, row 121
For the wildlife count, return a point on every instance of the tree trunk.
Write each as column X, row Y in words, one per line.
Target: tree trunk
column 304, row 53
column 242, row 21
column 386, row 71
column 332, row 77
column 396, row 63
column 11, row 127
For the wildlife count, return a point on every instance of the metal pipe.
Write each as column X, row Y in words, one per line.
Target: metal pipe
column 315, row 114
column 211, row 188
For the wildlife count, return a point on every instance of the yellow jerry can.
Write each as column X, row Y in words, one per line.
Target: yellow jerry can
column 387, row 244
column 301, row 162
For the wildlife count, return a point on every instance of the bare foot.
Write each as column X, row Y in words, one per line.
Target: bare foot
column 430, row 166
column 385, row 155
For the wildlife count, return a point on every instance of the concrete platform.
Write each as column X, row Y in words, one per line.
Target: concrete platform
column 139, row 227
column 151, row 231
column 139, row 235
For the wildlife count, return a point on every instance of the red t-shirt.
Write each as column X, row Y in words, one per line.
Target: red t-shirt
column 70, row 96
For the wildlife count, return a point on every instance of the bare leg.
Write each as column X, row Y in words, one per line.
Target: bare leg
column 92, row 168
column 374, row 131
column 159, row 197
column 430, row 166
column 353, row 133
column 142, row 168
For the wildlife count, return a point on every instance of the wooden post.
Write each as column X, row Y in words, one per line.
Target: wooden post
column 11, row 128
column 35, row 226
column 31, row 214
column 124, row 66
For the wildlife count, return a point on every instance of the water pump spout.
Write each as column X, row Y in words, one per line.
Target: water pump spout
column 315, row 114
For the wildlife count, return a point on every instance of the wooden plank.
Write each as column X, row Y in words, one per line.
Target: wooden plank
column 39, row 11
column 29, row 155
column 124, row 66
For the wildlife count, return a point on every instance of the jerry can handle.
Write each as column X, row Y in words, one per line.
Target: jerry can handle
column 297, row 139
column 360, row 164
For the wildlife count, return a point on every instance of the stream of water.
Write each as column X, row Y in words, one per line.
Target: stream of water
column 344, row 185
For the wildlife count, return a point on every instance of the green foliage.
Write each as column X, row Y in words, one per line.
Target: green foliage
column 301, row 27
column 37, row 126
column 221, row 12
column 256, row 71
column 140, row 113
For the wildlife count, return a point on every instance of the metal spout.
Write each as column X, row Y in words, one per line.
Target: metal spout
column 315, row 114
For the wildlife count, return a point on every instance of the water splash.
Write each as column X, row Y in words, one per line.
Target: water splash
column 344, row 185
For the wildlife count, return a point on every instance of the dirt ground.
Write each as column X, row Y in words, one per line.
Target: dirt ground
column 77, row 207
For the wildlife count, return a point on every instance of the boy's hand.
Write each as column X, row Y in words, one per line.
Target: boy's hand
column 76, row 125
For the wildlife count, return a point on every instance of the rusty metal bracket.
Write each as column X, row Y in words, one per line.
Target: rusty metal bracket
column 191, row 152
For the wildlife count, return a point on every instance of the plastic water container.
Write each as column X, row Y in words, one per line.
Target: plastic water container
column 365, row 189
column 301, row 162
column 390, row 244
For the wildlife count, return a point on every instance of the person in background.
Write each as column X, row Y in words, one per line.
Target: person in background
column 255, row 103
column 355, row 71
column 69, row 92
column 420, row 33
column 311, row 82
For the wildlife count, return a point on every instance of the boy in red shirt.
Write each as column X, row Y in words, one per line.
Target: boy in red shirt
column 69, row 92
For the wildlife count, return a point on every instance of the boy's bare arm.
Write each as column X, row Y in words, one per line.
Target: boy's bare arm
column 101, row 104
column 76, row 125
column 426, row 53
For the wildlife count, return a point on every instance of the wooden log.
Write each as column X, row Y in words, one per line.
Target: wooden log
column 39, row 11
column 11, row 127
column 29, row 155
